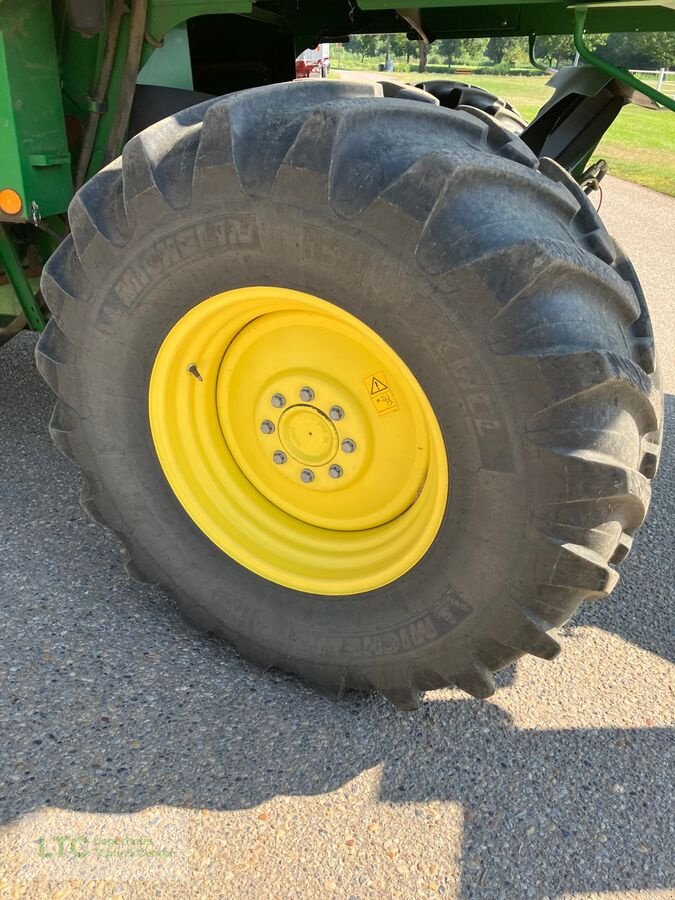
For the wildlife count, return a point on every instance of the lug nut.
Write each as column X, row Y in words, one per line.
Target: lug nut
column 307, row 476
column 306, row 394
column 267, row 427
column 279, row 457
column 278, row 400
column 336, row 413
column 335, row 471
column 348, row 445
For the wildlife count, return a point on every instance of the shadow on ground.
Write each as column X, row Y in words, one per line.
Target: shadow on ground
column 110, row 704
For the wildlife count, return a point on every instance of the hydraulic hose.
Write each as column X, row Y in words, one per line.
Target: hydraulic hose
column 98, row 99
column 139, row 11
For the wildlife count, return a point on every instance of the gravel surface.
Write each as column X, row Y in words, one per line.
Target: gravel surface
column 141, row 759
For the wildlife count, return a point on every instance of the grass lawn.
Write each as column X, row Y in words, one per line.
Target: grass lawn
column 639, row 146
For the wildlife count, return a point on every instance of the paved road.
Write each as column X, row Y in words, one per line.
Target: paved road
column 141, row 759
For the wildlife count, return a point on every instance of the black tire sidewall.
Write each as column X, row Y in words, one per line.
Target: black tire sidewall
column 459, row 585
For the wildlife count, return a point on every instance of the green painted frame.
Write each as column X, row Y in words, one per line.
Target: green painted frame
column 49, row 73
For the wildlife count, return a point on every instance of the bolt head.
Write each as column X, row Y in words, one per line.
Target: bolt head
column 335, row 472
column 307, row 476
column 279, row 457
column 306, row 394
column 278, row 400
column 336, row 413
column 348, row 445
column 267, row 427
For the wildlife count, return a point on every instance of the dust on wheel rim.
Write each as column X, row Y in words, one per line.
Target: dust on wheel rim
column 298, row 440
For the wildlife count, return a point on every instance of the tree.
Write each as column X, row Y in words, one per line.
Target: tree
column 424, row 54
column 393, row 44
column 474, row 48
column 458, row 49
column 510, row 50
column 556, row 48
column 449, row 48
column 640, row 50
column 365, row 44
column 412, row 50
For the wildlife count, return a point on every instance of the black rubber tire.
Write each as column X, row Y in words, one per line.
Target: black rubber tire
column 486, row 269
column 460, row 95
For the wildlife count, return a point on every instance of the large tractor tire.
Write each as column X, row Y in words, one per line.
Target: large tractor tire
column 460, row 95
column 361, row 382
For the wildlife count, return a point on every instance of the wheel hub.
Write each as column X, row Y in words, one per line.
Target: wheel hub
column 268, row 368
column 308, row 435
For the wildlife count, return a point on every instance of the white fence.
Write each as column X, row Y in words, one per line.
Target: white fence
column 662, row 79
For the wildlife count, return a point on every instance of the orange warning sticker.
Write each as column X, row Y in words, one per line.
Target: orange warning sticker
column 381, row 394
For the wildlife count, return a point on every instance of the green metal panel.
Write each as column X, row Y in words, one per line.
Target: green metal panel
column 170, row 65
column 163, row 15
column 420, row 4
column 80, row 59
column 457, row 18
column 33, row 145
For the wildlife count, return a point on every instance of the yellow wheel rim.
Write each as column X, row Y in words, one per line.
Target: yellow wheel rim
column 298, row 441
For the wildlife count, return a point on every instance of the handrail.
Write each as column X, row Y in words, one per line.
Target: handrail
column 531, row 40
column 620, row 74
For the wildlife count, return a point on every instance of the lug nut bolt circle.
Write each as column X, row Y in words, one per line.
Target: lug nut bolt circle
column 336, row 413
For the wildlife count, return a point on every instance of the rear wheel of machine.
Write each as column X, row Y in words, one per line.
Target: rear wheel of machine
column 460, row 95
column 307, row 278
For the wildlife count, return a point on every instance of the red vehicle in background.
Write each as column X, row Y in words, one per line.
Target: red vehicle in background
column 314, row 62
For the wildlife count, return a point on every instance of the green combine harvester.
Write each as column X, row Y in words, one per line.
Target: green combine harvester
column 352, row 369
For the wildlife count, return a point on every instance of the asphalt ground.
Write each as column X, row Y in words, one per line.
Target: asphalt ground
column 139, row 758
